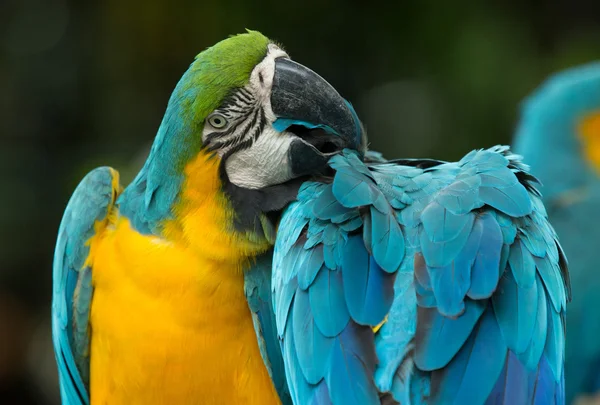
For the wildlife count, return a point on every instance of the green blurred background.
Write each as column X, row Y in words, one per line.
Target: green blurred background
column 85, row 83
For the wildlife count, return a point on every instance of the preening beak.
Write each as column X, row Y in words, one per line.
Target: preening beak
column 307, row 122
column 307, row 105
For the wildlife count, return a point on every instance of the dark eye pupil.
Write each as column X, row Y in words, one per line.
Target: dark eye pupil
column 218, row 121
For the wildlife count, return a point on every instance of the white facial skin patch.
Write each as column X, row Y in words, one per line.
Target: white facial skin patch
column 264, row 164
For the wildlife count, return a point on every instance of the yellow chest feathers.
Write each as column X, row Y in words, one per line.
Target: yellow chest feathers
column 170, row 322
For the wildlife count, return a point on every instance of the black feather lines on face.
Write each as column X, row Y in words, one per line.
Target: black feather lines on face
column 246, row 123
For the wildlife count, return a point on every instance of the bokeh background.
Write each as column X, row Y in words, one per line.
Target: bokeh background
column 85, row 83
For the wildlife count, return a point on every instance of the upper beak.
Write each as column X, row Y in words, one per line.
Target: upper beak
column 302, row 98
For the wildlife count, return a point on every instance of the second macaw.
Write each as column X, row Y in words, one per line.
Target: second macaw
column 162, row 290
column 559, row 135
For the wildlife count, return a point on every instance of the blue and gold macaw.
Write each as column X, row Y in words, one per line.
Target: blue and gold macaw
column 559, row 135
column 162, row 290
column 421, row 282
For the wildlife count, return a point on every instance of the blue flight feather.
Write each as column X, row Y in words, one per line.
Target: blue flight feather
column 486, row 268
column 440, row 338
column 451, row 283
column 350, row 376
column 309, row 265
column 480, row 360
column 513, row 385
column 369, row 291
column 516, row 310
column 327, row 300
column 387, row 241
column 531, row 356
column 314, row 349
column 441, row 254
column 522, row 265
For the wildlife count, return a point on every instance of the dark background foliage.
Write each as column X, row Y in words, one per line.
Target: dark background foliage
column 85, row 83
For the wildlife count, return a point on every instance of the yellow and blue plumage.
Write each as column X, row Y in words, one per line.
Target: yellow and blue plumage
column 412, row 281
column 162, row 290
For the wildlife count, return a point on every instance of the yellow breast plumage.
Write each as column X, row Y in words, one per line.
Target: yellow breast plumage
column 170, row 322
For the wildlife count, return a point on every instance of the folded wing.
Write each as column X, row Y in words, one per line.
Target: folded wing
column 421, row 282
column 86, row 215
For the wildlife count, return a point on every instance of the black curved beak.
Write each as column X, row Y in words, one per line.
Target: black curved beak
column 307, row 105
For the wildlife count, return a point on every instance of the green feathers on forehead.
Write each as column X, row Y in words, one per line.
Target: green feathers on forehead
column 218, row 70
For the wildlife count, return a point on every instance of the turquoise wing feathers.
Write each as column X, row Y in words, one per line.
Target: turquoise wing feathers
column 257, row 287
column 72, row 281
column 421, row 282
column 549, row 138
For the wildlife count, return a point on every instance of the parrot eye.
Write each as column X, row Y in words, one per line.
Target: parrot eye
column 217, row 121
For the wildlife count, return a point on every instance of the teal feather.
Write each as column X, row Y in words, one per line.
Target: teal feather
column 480, row 360
column 326, row 206
column 283, row 296
column 531, row 356
column 327, row 300
column 369, row 290
column 486, row 268
column 314, row 346
column 522, row 265
column 352, row 224
column 461, row 196
column 554, row 349
column 515, row 308
column 551, row 278
column 510, row 386
column 440, row 338
column 352, row 364
column 451, row 283
column 329, row 257
column 309, row 265
column 387, row 241
column 442, row 225
column 441, row 254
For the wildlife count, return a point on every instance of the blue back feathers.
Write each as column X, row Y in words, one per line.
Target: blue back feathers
column 458, row 262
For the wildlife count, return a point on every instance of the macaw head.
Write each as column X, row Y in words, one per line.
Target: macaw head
column 266, row 121
column 269, row 119
column 559, row 132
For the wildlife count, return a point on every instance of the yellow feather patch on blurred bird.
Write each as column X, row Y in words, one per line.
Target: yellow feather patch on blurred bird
column 589, row 130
